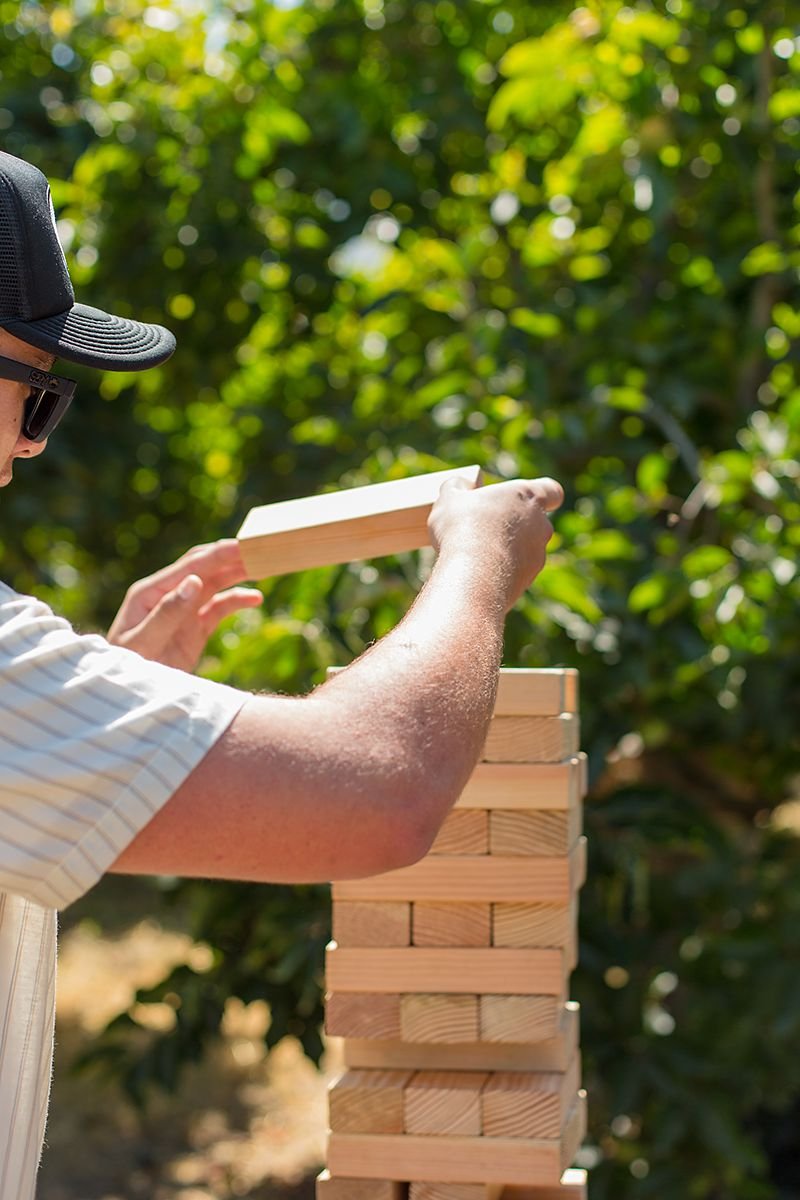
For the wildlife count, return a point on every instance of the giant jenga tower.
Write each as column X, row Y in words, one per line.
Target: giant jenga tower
column 448, row 981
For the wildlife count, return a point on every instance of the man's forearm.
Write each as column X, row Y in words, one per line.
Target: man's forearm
column 424, row 694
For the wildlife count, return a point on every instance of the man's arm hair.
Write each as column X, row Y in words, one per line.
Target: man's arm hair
column 357, row 777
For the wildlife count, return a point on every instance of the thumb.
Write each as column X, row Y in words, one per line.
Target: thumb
column 457, row 483
column 166, row 617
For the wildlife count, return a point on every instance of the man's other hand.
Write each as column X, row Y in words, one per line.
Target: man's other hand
column 504, row 527
column 169, row 616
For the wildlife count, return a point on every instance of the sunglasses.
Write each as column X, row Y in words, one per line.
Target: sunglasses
column 49, row 398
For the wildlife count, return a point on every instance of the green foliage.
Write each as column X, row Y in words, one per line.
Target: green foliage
column 396, row 236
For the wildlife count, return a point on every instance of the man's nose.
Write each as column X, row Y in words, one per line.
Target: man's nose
column 28, row 449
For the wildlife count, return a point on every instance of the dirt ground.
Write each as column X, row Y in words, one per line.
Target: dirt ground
column 241, row 1128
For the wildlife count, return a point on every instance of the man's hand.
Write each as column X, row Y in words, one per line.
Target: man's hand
column 503, row 526
column 170, row 616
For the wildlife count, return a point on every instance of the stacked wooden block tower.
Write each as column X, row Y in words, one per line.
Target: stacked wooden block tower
column 448, row 981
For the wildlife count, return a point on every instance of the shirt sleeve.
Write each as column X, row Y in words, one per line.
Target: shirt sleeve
column 93, row 741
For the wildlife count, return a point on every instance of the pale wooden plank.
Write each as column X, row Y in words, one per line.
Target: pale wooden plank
column 536, row 691
column 335, row 1187
column 464, row 831
column 442, row 1019
column 533, row 833
column 488, row 877
column 578, row 864
column 454, row 1191
column 558, row 785
column 551, row 1054
column 338, row 527
column 529, row 1103
column 442, row 924
column 362, row 1016
column 574, row 1132
column 368, row 1101
column 519, row 1019
column 419, row 969
column 533, row 924
column 444, row 1102
column 372, row 923
column 532, row 739
column 449, row 1159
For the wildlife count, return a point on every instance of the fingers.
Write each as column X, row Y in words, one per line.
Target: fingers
column 548, row 492
column 224, row 604
column 219, row 565
column 164, row 621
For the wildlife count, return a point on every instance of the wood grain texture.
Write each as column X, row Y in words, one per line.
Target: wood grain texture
column 362, row 1016
column 464, row 831
column 533, row 924
column 439, row 1019
column 531, row 739
column 553, row 1054
column 438, row 924
column 339, row 527
column 330, row 1187
column 444, row 1102
column 536, row 692
column 449, row 1159
column 526, row 785
column 511, row 880
column 454, row 1191
column 372, row 923
column 519, row 1019
column 418, row 969
column 368, row 1101
column 529, row 1104
column 533, row 833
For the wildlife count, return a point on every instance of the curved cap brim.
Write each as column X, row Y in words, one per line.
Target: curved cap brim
column 97, row 339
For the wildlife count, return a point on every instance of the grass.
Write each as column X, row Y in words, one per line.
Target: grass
column 241, row 1127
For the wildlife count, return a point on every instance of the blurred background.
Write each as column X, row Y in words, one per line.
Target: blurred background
column 395, row 236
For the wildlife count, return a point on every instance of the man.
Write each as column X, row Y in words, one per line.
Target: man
column 113, row 758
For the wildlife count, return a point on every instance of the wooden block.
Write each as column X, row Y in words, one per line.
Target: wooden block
column 526, row 785
column 574, row 1132
column 442, row 1019
column 532, row 833
column 532, row 739
column 553, row 1054
column 536, row 692
column 418, row 969
column 335, row 1187
column 520, row 1019
column 454, row 1191
column 532, row 1104
column 444, row 1102
column 579, row 861
column 533, row 924
column 435, row 924
column 465, row 831
column 573, row 1186
column 338, row 527
column 368, row 1101
column 372, row 924
column 489, row 877
column 449, row 1159
column 362, row 1016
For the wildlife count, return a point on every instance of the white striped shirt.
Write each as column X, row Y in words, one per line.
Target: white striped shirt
column 93, row 741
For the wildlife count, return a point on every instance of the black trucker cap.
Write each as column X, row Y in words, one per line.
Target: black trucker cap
column 37, row 303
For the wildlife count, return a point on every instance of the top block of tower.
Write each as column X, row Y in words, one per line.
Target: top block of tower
column 340, row 527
